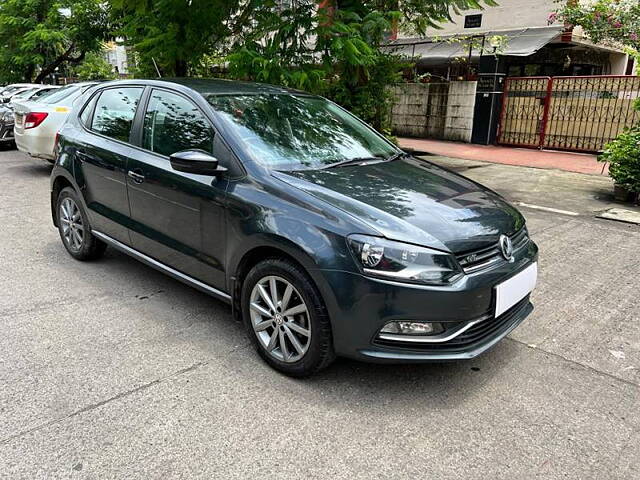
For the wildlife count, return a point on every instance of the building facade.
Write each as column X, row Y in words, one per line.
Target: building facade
column 117, row 56
column 532, row 41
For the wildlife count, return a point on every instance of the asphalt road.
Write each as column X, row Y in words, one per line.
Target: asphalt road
column 112, row 370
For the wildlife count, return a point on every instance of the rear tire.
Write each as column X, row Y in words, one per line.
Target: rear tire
column 74, row 228
column 290, row 327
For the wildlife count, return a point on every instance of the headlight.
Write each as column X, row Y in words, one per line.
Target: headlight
column 7, row 116
column 403, row 262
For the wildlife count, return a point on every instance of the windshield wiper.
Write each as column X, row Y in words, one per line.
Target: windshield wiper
column 354, row 161
column 396, row 156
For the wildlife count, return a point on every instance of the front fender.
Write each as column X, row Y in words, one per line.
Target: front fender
column 315, row 249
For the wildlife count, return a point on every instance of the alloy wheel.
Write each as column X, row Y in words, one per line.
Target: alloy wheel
column 72, row 226
column 280, row 319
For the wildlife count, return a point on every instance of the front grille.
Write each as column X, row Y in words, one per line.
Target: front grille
column 488, row 257
column 468, row 340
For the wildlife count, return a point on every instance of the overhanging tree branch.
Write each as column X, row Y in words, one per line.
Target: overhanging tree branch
column 65, row 57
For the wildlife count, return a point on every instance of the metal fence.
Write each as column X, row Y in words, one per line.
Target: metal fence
column 567, row 113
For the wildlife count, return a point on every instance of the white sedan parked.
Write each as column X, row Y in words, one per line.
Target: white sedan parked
column 32, row 94
column 36, row 123
column 7, row 92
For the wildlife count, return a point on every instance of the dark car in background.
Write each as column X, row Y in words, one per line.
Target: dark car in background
column 6, row 124
column 324, row 237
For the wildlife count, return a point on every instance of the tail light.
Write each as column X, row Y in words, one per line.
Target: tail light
column 33, row 119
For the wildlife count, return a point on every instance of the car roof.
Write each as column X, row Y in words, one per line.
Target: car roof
column 214, row 86
column 79, row 84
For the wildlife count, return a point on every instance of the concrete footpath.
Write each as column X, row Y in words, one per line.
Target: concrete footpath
column 523, row 157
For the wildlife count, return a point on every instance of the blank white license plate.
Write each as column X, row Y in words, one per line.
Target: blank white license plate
column 511, row 291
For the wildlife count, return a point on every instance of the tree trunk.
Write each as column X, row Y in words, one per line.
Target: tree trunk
column 65, row 57
column 28, row 73
column 180, row 68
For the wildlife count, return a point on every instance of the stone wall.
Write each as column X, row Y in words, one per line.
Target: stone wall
column 442, row 111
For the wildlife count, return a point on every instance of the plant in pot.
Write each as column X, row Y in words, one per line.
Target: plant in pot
column 623, row 155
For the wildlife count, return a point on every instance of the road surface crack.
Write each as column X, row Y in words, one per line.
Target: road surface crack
column 592, row 369
column 93, row 406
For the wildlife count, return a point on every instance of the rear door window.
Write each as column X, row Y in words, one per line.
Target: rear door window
column 172, row 124
column 114, row 112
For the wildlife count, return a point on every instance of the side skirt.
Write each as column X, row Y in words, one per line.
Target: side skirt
column 203, row 287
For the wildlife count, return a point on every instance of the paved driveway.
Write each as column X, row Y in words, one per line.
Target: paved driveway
column 112, row 370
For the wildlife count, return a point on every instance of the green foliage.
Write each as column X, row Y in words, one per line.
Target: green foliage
column 176, row 34
column 623, row 155
column 94, row 67
column 609, row 21
column 39, row 37
column 418, row 15
column 335, row 51
column 615, row 22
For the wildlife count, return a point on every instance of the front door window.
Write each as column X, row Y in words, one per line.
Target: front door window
column 172, row 124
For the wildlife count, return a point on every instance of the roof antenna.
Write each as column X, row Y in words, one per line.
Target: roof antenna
column 156, row 65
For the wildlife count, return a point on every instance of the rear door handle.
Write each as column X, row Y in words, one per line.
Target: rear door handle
column 136, row 175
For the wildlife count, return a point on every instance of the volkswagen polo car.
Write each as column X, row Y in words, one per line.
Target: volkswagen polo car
column 324, row 237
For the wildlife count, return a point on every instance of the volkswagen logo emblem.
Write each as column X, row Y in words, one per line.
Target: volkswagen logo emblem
column 506, row 247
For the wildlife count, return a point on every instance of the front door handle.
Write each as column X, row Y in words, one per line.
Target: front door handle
column 136, row 175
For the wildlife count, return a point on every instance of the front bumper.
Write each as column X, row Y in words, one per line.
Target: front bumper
column 479, row 339
column 360, row 306
column 6, row 132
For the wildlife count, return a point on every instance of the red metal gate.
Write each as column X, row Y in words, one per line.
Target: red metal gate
column 567, row 113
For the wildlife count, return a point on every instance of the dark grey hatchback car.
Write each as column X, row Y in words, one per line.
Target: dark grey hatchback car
column 325, row 238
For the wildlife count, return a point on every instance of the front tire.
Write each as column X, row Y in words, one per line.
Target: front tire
column 286, row 319
column 74, row 228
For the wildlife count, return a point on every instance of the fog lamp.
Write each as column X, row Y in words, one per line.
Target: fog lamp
column 413, row 328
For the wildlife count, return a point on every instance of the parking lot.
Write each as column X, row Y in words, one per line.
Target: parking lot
column 112, row 370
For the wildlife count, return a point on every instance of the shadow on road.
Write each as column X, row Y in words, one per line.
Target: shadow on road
column 31, row 168
column 441, row 384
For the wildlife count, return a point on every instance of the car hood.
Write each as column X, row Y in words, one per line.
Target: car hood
column 414, row 201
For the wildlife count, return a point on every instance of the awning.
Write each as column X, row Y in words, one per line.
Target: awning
column 436, row 51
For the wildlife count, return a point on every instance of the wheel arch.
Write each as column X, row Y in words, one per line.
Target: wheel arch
column 59, row 183
column 283, row 249
column 63, row 176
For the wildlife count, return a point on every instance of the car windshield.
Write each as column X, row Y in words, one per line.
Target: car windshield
column 24, row 93
column 295, row 132
column 8, row 90
column 43, row 93
column 60, row 94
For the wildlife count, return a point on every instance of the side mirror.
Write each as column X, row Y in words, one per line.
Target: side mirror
column 197, row 162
